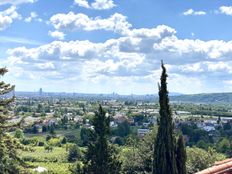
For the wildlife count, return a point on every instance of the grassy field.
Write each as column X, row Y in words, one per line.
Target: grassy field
column 58, row 154
column 55, row 161
column 54, row 168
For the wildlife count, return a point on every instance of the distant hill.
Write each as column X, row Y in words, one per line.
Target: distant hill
column 204, row 98
column 175, row 97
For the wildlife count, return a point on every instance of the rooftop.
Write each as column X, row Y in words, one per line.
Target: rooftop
column 221, row 167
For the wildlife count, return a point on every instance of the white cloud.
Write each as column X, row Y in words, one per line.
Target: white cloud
column 134, row 57
column 8, row 16
column 71, row 21
column 45, row 66
column 97, row 4
column 207, row 67
column 16, row 2
column 103, row 4
column 33, row 16
column 226, row 10
column 57, row 35
column 117, row 23
column 82, row 3
column 192, row 12
column 158, row 32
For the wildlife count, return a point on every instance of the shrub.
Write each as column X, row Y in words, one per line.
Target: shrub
column 74, row 153
column 54, row 142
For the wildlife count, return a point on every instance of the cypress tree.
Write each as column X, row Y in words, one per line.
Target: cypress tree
column 10, row 163
column 101, row 157
column 181, row 156
column 164, row 148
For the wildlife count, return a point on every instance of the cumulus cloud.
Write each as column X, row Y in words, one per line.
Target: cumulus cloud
column 57, row 35
column 116, row 23
column 134, row 57
column 97, row 4
column 192, row 12
column 8, row 16
column 16, row 2
column 226, row 10
column 206, row 66
column 71, row 22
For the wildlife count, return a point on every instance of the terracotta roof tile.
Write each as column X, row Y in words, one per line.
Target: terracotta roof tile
column 219, row 168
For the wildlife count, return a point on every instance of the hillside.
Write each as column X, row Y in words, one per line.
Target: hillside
column 204, row 98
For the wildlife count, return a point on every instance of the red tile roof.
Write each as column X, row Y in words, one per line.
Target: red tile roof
column 221, row 167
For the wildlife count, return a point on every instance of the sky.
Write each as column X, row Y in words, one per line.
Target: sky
column 106, row 46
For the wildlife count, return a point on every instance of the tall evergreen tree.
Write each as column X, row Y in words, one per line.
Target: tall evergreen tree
column 101, row 157
column 181, row 156
column 10, row 163
column 164, row 150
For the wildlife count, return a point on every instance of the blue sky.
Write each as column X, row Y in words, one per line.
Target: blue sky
column 105, row 46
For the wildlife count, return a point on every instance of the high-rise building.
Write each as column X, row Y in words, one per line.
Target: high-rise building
column 40, row 91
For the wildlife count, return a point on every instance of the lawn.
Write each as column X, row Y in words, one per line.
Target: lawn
column 54, row 168
column 54, row 161
column 39, row 154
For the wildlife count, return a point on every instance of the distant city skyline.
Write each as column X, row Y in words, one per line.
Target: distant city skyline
column 106, row 46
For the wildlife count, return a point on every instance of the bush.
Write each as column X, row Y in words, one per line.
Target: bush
column 25, row 141
column 78, row 167
column 40, row 143
column 74, row 153
column 71, row 138
column 119, row 141
column 19, row 134
column 48, row 137
column 54, row 142
column 64, row 140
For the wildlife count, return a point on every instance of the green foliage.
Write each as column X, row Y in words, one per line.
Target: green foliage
column 74, row 153
column 123, row 129
column 146, row 149
column 85, row 134
column 44, row 128
column 101, row 157
column 52, row 167
column 224, row 146
column 137, row 157
column 48, row 137
column 64, row 140
column 40, row 154
column 119, row 141
column 181, row 156
column 64, row 120
column 196, row 135
column 19, row 134
column 40, row 143
column 52, row 129
column 48, row 148
column 199, row 159
column 54, row 142
column 10, row 162
column 164, row 152
column 131, row 163
column 78, row 168
column 35, row 129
